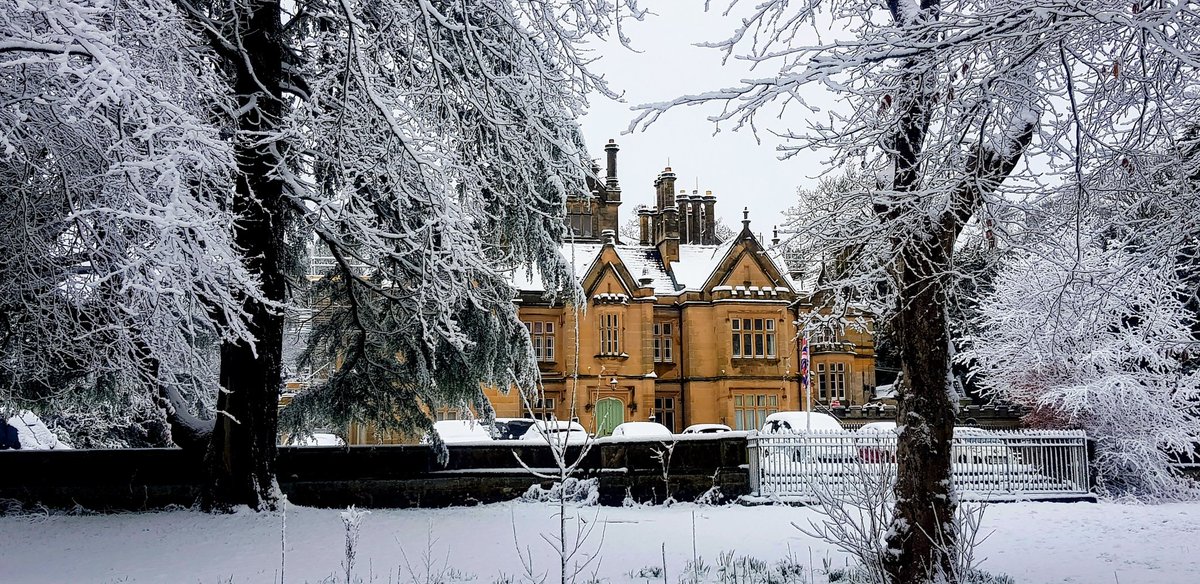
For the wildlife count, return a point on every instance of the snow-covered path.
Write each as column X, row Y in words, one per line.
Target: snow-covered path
column 1033, row 542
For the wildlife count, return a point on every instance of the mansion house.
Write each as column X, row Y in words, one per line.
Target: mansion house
column 679, row 327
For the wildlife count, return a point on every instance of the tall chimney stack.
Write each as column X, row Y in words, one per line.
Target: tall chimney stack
column 645, row 226
column 611, row 150
column 710, row 222
column 684, row 202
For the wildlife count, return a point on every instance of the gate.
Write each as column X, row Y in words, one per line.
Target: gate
column 985, row 465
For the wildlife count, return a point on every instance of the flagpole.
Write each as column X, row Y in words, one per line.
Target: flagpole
column 805, row 383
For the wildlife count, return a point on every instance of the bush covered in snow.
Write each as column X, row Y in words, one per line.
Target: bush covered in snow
column 573, row 490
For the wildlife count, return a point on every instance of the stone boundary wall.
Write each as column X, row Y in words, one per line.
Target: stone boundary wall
column 375, row 476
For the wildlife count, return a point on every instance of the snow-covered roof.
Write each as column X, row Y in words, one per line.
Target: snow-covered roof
column 697, row 262
column 641, row 261
column 695, row 266
column 644, row 262
column 580, row 257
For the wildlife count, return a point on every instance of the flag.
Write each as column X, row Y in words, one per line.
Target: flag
column 804, row 381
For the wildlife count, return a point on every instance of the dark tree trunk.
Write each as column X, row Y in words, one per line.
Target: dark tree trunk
column 923, row 531
column 241, row 454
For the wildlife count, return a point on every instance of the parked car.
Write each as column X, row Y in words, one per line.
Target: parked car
column 513, row 428
column 642, row 430
column 461, row 431
column 813, row 446
column 561, row 432
column 877, row 442
column 25, row 431
column 800, row 422
column 978, row 446
column 707, row 429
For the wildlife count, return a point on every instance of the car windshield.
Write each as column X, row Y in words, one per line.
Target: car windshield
column 778, row 426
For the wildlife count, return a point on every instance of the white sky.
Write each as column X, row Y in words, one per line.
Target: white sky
column 740, row 171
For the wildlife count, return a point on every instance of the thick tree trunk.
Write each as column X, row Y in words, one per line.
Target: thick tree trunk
column 922, row 536
column 241, row 455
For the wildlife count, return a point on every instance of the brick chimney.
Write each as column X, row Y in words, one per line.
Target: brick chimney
column 684, row 202
column 710, row 221
column 609, row 194
column 645, row 225
column 667, row 233
column 610, row 181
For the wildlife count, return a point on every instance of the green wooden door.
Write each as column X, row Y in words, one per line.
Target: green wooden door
column 610, row 411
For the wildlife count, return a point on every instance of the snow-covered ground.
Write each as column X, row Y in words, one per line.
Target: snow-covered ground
column 1033, row 542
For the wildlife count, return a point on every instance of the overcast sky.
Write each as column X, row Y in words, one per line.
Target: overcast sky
column 740, row 171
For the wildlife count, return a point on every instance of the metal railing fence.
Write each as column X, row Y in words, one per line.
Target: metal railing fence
column 985, row 464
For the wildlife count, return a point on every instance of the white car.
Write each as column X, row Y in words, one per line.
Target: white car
column 800, row 422
column 513, row 428
column 707, row 429
column 568, row 433
column 642, row 430
column 462, row 431
column 810, row 444
column 25, row 431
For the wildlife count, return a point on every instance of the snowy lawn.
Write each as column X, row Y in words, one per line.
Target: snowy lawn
column 1033, row 542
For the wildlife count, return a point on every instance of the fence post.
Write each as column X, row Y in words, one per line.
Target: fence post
column 752, row 453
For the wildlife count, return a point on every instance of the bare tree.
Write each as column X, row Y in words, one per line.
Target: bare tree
column 942, row 102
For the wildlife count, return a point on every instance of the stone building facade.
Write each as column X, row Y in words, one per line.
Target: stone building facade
column 679, row 325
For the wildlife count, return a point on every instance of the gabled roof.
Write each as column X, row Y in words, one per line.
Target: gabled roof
column 696, row 268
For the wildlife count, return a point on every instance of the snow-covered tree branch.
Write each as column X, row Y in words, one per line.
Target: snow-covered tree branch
column 995, row 122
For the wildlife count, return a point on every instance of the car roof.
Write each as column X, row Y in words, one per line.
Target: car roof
column 642, row 428
column 878, row 426
column 793, row 422
column 698, row 427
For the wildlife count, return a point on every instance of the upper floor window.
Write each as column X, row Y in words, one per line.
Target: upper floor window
column 662, row 343
column 580, row 224
column 825, row 333
column 541, row 334
column 753, row 338
column 831, row 382
column 610, row 334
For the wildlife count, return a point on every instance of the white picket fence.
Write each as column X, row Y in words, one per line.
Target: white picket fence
column 985, row 465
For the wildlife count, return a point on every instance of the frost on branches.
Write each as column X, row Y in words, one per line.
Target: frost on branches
column 165, row 165
column 1099, row 341
column 961, row 119
column 118, row 272
column 472, row 106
